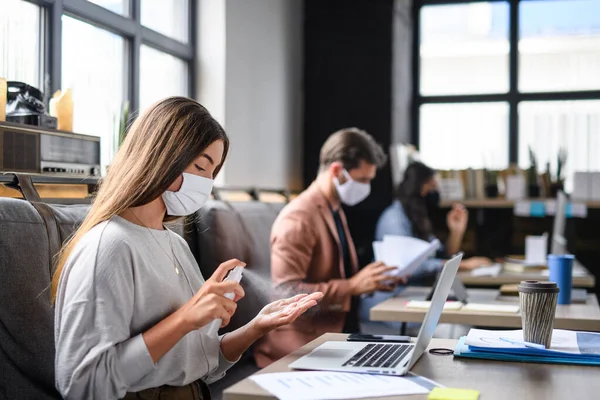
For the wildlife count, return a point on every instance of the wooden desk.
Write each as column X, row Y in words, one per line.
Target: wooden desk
column 494, row 379
column 582, row 278
column 576, row 316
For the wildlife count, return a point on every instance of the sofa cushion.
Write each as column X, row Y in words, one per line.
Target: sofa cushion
column 26, row 314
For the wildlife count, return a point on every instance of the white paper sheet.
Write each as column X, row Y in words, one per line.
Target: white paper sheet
column 320, row 385
column 404, row 252
column 492, row 270
column 493, row 308
column 425, row 304
column 536, row 249
column 562, row 340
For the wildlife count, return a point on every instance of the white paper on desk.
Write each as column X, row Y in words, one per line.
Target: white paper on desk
column 492, row 270
column 493, row 308
column 536, row 250
column 562, row 340
column 404, row 252
column 321, row 385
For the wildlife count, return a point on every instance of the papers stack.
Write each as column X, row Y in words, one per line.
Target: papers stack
column 404, row 252
column 318, row 385
column 568, row 347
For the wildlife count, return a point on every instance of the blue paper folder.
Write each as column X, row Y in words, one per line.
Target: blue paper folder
column 523, row 355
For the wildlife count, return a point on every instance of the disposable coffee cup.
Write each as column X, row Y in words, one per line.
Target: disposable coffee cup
column 538, row 308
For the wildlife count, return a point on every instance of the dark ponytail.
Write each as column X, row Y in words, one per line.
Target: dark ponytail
column 408, row 193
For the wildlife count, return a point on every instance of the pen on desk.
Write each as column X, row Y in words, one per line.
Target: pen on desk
column 523, row 343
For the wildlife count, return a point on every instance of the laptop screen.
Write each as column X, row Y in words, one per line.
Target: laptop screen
column 436, row 307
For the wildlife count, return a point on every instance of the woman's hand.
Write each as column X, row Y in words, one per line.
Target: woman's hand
column 457, row 219
column 210, row 303
column 475, row 262
column 284, row 312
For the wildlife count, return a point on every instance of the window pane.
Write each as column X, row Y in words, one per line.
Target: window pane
column 470, row 135
column 20, row 46
column 161, row 75
column 548, row 126
column 116, row 6
column 464, row 48
column 169, row 17
column 559, row 46
column 96, row 76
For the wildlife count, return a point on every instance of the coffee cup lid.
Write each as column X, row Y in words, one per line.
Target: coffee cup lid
column 538, row 287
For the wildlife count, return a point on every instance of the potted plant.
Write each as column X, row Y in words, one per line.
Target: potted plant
column 122, row 125
column 533, row 186
column 491, row 183
column 558, row 183
column 121, row 131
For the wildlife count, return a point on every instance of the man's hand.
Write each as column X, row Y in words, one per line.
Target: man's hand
column 371, row 278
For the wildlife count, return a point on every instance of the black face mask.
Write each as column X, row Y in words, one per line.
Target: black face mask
column 432, row 199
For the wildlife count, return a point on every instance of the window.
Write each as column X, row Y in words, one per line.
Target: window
column 107, row 52
column 464, row 49
column 450, row 131
column 20, row 42
column 168, row 17
column 559, row 45
column 161, row 75
column 548, row 126
column 495, row 77
column 95, row 74
column 116, row 6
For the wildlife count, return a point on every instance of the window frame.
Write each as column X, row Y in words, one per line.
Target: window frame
column 513, row 97
column 130, row 28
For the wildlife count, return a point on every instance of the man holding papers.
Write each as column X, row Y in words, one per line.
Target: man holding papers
column 312, row 250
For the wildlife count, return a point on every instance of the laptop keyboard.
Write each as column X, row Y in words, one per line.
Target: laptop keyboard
column 379, row 355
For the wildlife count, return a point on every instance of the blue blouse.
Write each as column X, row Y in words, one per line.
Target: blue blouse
column 394, row 221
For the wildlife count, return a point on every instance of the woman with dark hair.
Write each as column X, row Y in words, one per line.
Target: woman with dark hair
column 408, row 215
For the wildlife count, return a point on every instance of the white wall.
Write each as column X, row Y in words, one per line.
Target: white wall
column 250, row 77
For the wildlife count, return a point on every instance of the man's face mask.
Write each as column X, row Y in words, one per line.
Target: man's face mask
column 351, row 192
column 190, row 197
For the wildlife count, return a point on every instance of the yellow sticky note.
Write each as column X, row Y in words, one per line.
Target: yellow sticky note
column 453, row 394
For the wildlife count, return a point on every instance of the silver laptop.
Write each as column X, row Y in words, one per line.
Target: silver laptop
column 383, row 358
column 559, row 241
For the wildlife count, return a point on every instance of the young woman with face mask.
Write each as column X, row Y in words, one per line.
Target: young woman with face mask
column 409, row 215
column 132, row 309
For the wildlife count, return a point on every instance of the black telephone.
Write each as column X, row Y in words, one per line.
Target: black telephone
column 25, row 105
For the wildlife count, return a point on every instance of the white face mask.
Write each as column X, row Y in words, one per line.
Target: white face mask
column 351, row 192
column 190, row 197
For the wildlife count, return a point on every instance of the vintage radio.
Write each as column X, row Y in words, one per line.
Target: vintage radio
column 37, row 150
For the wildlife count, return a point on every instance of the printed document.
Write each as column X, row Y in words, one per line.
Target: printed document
column 320, row 385
column 404, row 252
column 563, row 341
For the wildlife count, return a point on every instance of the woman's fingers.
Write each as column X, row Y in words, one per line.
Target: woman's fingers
column 293, row 299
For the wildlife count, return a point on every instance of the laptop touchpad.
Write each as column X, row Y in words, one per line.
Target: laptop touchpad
column 330, row 353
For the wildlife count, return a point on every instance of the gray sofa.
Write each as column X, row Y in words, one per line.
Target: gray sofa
column 220, row 232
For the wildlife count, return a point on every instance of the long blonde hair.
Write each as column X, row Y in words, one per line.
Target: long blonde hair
column 160, row 144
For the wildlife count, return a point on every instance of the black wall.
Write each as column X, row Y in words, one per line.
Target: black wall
column 348, row 82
